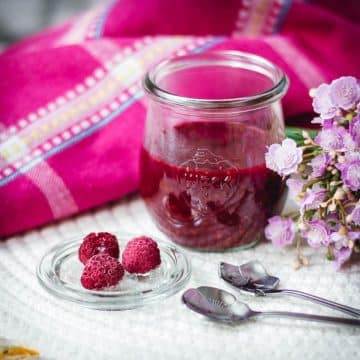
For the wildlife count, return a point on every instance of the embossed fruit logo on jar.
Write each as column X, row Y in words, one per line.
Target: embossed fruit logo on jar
column 210, row 185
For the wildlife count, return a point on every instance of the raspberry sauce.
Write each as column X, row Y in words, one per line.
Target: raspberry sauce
column 203, row 196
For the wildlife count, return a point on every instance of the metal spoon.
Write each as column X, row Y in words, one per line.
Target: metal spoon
column 253, row 278
column 221, row 305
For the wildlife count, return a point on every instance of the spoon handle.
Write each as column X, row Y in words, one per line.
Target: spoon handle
column 316, row 299
column 309, row 317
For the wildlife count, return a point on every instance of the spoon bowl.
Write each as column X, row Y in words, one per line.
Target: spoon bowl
column 216, row 304
column 250, row 276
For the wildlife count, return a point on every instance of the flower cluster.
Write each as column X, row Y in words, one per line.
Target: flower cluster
column 325, row 178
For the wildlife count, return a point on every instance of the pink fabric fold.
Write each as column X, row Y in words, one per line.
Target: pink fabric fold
column 72, row 108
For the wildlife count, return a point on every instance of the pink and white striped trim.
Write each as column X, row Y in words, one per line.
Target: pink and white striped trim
column 57, row 194
column 307, row 71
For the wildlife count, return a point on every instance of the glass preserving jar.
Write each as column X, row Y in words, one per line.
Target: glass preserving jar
column 210, row 118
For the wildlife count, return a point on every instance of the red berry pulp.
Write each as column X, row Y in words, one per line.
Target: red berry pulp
column 203, row 196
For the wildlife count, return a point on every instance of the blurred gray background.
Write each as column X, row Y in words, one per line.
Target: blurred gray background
column 19, row 18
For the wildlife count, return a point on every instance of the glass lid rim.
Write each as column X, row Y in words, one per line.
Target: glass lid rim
column 270, row 95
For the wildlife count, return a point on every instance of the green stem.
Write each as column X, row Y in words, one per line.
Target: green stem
column 342, row 211
column 308, row 156
column 312, row 182
column 352, row 203
column 337, row 183
column 308, row 146
column 330, row 253
column 293, row 214
column 296, row 133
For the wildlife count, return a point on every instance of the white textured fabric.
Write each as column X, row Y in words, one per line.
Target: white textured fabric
column 167, row 330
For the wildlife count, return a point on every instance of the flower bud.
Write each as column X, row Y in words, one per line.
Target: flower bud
column 305, row 261
column 301, row 168
column 307, row 142
column 345, row 188
column 332, row 153
column 332, row 207
column 297, row 264
column 312, row 92
column 339, row 194
column 342, row 230
column 335, row 122
column 302, row 226
column 341, row 159
column 323, row 205
column 351, row 244
column 305, row 134
column 349, row 218
column 349, row 117
column 334, row 171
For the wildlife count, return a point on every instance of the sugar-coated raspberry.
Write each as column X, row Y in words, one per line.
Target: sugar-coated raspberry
column 141, row 255
column 100, row 243
column 101, row 271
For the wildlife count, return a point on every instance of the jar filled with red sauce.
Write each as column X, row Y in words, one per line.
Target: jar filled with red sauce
column 210, row 119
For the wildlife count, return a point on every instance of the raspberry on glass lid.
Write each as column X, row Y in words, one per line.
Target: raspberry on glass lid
column 141, row 255
column 101, row 271
column 98, row 243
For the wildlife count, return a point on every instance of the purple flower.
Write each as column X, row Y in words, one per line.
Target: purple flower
column 319, row 164
column 354, row 129
column 352, row 156
column 295, row 186
column 322, row 103
column 349, row 143
column 317, row 233
column 341, row 256
column 285, row 158
column 344, row 92
column 329, row 123
column 355, row 215
column 312, row 200
column 350, row 174
column 342, row 240
column 280, row 231
column 332, row 138
column 342, row 251
column 349, row 156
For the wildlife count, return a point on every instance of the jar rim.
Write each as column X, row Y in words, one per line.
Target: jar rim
column 243, row 60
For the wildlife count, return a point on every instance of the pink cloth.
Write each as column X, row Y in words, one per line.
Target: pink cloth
column 72, row 108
